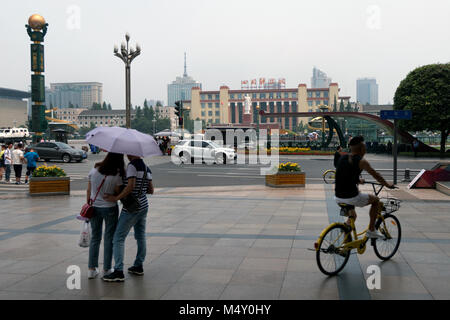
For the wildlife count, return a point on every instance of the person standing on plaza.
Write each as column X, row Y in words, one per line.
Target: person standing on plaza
column 17, row 161
column 105, row 177
column 31, row 158
column 138, row 182
column 2, row 161
column 415, row 146
column 8, row 162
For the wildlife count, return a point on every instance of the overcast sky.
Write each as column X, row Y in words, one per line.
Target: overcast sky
column 226, row 42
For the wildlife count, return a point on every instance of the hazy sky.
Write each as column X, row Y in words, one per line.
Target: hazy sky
column 226, row 42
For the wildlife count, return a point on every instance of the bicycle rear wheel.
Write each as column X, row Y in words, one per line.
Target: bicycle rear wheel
column 331, row 259
column 391, row 229
column 329, row 176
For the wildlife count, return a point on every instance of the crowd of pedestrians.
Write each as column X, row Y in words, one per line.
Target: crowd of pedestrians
column 13, row 158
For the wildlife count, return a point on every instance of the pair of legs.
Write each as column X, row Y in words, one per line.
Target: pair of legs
column 2, row 171
column 7, row 172
column 18, row 172
column 375, row 203
column 110, row 216
column 136, row 220
column 30, row 171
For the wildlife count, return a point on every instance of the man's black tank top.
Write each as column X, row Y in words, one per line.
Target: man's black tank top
column 347, row 176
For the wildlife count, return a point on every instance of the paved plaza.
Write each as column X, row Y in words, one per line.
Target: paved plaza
column 241, row 242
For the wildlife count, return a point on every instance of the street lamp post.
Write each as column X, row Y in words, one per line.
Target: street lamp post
column 257, row 119
column 154, row 121
column 127, row 55
column 323, row 108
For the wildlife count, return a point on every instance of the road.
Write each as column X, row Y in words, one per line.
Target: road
column 167, row 174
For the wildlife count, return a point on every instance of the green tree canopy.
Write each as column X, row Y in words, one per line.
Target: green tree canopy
column 426, row 92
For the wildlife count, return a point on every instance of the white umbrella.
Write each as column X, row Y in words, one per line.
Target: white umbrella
column 123, row 140
column 166, row 134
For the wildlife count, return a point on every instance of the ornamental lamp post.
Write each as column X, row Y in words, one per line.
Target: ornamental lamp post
column 323, row 108
column 37, row 29
column 127, row 55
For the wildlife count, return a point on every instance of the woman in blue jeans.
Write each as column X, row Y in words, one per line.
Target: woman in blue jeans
column 104, row 178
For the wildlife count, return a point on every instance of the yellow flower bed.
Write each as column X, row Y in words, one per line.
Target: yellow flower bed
column 46, row 171
column 289, row 167
column 290, row 149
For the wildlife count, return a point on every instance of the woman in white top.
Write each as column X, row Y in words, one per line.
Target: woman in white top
column 105, row 177
column 17, row 161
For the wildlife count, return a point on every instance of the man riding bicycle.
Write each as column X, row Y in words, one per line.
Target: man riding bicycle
column 348, row 173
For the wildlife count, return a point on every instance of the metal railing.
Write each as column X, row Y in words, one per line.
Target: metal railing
column 388, row 174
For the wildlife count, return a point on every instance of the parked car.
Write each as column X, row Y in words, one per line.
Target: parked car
column 188, row 150
column 58, row 151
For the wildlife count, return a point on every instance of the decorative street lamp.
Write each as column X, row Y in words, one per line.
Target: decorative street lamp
column 257, row 119
column 154, row 121
column 127, row 55
column 37, row 29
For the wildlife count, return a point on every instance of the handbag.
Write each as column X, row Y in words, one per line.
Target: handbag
column 131, row 202
column 88, row 210
column 85, row 235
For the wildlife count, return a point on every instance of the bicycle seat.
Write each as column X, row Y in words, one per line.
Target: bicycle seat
column 345, row 208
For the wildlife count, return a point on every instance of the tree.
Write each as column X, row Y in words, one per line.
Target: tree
column 104, row 106
column 341, row 106
column 109, row 107
column 349, row 107
column 71, row 106
column 335, row 105
column 159, row 103
column 426, row 92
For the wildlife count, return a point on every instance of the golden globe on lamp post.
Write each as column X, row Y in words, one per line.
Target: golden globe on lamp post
column 36, row 22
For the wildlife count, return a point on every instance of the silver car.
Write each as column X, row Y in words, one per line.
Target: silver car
column 206, row 150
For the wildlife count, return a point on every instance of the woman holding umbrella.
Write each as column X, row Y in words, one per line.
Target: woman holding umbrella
column 138, row 183
column 105, row 177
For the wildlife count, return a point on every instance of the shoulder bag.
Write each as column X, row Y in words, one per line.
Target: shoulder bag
column 88, row 210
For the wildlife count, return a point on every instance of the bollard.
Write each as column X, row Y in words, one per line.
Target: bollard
column 407, row 176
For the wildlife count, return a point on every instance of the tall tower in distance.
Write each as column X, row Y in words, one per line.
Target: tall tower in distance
column 319, row 79
column 180, row 89
column 367, row 91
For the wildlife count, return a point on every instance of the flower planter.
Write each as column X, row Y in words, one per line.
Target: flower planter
column 47, row 186
column 286, row 179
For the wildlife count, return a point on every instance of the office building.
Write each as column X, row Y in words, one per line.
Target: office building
column 367, row 91
column 103, row 118
column 76, row 94
column 320, row 79
column 13, row 108
column 180, row 89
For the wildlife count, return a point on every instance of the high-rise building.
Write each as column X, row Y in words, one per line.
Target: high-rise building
column 367, row 91
column 180, row 89
column 77, row 94
column 319, row 79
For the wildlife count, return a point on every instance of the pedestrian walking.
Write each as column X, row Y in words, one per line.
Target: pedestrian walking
column 138, row 182
column 105, row 178
column 415, row 145
column 2, row 162
column 8, row 162
column 17, row 161
column 31, row 158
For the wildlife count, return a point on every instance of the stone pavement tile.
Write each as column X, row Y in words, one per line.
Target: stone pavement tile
column 273, row 243
column 39, row 283
column 437, row 235
column 238, row 291
column 169, row 260
column 21, row 295
column 218, row 262
column 302, row 265
column 229, row 242
column 389, row 268
column 200, row 241
column 193, row 250
column 280, row 232
column 419, row 247
column 431, row 270
column 402, row 284
column 134, row 288
column 194, row 291
column 303, row 244
column 264, row 252
column 248, row 232
column 7, row 262
column 160, row 275
column 206, row 275
column 393, row 295
column 9, row 279
column 29, row 267
column 437, row 286
column 445, row 247
column 426, row 257
column 157, row 240
column 271, row 264
column 227, row 251
column 258, row 277
column 309, row 285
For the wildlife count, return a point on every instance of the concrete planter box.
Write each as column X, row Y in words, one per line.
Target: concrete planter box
column 47, row 186
column 286, row 179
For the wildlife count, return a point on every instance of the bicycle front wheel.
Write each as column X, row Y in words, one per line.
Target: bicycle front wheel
column 329, row 176
column 330, row 256
column 392, row 231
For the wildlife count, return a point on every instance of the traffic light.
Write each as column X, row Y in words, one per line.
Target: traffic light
column 179, row 111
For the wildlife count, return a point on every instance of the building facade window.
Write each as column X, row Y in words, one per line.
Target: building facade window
column 262, row 96
column 203, row 106
column 310, row 103
column 286, row 95
column 294, row 95
column 209, row 97
column 217, row 105
column 232, row 96
column 209, row 105
column 217, row 113
column 317, row 94
column 325, row 94
column 217, row 97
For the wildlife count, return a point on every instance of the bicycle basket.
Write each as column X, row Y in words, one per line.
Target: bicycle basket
column 391, row 204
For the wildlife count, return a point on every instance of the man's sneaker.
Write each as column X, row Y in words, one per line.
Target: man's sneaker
column 374, row 235
column 116, row 276
column 136, row 270
column 107, row 273
column 93, row 273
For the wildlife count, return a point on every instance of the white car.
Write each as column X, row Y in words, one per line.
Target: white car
column 210, row 151
column 14, row 133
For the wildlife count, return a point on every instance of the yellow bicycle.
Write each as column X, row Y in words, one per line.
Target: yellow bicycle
column 329, row 176
column 335, row 243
